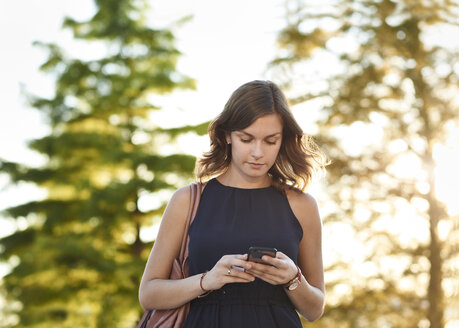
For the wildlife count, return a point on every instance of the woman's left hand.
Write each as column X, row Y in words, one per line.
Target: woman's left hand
column 280, row 272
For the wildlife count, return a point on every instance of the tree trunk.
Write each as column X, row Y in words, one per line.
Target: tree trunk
column 435, row 289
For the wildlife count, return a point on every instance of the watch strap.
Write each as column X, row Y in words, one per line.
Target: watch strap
column 297, row 278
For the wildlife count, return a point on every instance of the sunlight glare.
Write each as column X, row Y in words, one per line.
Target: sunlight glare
column 148, row 234
column 452, row 324
column 447, row 174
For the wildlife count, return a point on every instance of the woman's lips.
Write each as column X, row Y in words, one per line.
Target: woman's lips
column 255, row 165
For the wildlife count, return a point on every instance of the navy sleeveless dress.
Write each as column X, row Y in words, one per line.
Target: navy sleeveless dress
column 230, row 220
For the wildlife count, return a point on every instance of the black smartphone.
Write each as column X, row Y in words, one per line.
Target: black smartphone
column 255, row 253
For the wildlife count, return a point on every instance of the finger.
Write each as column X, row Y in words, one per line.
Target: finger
column 240, row 274
column 238, row 279
column 263, row 267
column 269, row 279
column 280, row 255
column 263, row 274
column 246, row 277
column 279, row 261
column 282, row 273
column 231, row 279
column 237, row 256
column 270, row 260
column 241, row 264
column 241, row 256
column 267, row 271
column 234, row 259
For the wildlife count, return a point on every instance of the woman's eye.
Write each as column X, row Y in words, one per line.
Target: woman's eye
column 245, row 140
column 271, row 142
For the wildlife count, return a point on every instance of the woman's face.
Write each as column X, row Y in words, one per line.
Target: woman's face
column 255, row 148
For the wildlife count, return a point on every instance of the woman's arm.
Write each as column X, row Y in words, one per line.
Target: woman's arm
column 308, row 297
column 156, row 290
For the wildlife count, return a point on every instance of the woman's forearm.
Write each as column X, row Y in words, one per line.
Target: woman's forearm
column 308, row 300
column 162, row 294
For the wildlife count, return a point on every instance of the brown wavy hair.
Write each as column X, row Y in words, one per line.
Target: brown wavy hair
column 299, row 156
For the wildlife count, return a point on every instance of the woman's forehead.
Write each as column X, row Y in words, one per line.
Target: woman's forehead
column 268, row 125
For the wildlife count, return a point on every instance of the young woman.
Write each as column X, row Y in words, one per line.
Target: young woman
column 259, row 164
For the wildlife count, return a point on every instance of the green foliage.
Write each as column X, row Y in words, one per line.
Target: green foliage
column 80, row 258
column 379, row 80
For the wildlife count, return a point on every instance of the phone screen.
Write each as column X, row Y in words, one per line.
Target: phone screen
column 255, row 253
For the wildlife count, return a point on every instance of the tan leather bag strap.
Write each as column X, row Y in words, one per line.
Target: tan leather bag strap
column 195, row 192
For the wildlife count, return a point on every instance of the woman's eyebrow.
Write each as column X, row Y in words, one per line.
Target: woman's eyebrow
column 249, row 135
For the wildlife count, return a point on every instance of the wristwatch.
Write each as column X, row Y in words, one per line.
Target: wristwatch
column 295, row 282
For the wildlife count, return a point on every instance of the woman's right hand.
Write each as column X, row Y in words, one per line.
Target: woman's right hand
column 223, row 272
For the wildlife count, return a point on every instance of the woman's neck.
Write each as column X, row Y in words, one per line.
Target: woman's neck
column 235, row 179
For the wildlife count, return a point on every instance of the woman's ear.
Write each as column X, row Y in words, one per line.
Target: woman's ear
column 228, row 139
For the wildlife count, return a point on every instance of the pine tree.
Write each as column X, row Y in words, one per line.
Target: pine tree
column 369, row 68
column 81, row 256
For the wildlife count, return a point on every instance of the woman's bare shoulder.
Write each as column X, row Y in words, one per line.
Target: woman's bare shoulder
column 181, row 195
column 304, row 206
column 180, row 200
column 177, row 207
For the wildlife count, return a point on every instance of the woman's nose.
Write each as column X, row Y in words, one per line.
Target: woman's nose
column 257, row 150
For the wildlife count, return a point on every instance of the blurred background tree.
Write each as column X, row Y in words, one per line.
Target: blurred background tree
column 387, row 101
column 78, row 261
